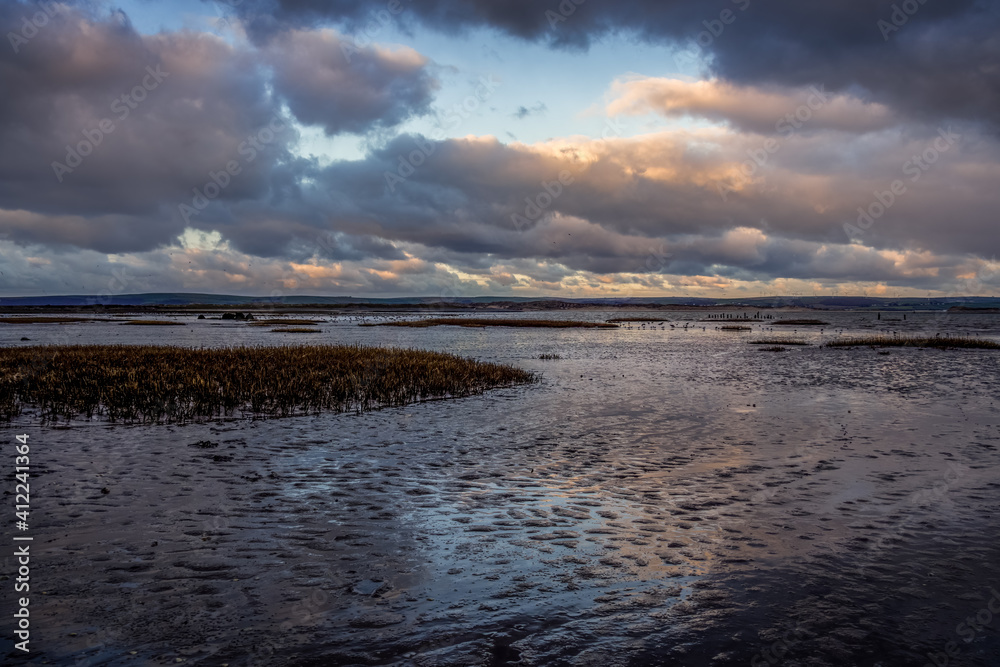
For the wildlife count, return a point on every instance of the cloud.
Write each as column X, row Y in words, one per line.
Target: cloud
column 202, row 185
column 760, row 110
column 941, row 62
column 106, row 129
column 329, row 81
column 523, row 111
column 107, row 134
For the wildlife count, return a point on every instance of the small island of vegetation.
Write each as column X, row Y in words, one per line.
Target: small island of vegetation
column 616, row 320
column 150, row 383
column 939, row 342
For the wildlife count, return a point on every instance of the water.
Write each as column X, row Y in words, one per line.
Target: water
column 663, row 496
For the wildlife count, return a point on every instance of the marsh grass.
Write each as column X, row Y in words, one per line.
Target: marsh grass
column 940, row 342
column 154, row 323
column 491, row 322
column 296, row 330
column 777, row 341
column 635, row 319
column 175, row 384
column 802, row 323
column 736, row 328
column 549, row 356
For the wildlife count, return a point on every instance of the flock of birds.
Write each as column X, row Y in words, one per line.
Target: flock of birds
column 723, row 319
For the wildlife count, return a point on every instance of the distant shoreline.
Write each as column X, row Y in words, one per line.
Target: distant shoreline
column 173, row 302
column 462, row 307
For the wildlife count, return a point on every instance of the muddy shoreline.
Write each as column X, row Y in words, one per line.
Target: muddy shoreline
column 663, row 498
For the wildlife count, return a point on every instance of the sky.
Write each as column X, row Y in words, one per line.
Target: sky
column 560, row 148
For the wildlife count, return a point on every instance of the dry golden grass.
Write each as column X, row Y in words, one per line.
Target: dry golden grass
column 47, row 320
column 941, row 342
column 491, row 322
column 173, row 384
column 635, row 319
column 155, row 323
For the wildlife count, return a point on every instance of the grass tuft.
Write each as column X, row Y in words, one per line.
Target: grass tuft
column 940, row 342
column 175, row 384
column 635, row 319
column 549, row 356
column 736, row 328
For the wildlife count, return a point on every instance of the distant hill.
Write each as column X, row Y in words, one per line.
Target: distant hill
column 510, row 302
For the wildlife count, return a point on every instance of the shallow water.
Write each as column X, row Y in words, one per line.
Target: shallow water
column 663, row 496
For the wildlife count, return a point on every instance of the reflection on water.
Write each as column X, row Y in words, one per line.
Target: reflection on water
column 664, row 496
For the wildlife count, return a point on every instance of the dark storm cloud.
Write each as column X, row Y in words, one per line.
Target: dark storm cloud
column 330, row 82
column 630, row 197
column 926, row 58
column 100, row 122
column 209, row 147
column 110, row 132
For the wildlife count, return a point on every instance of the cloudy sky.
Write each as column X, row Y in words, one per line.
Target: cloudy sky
column 528, row 147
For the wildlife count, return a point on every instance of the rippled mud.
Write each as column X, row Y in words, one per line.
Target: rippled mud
column 662, row 497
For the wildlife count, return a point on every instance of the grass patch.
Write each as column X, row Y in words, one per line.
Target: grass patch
column 287, row 323
column 636, row 319
column 777, row 341
column 549, row 356
column 941, row 342
column 736, row 328
column 47, row 320
column 492, row 322
column 773, row 348
column 295, row 330
column 175, row 384
column 154, row 323
column 802, row 323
